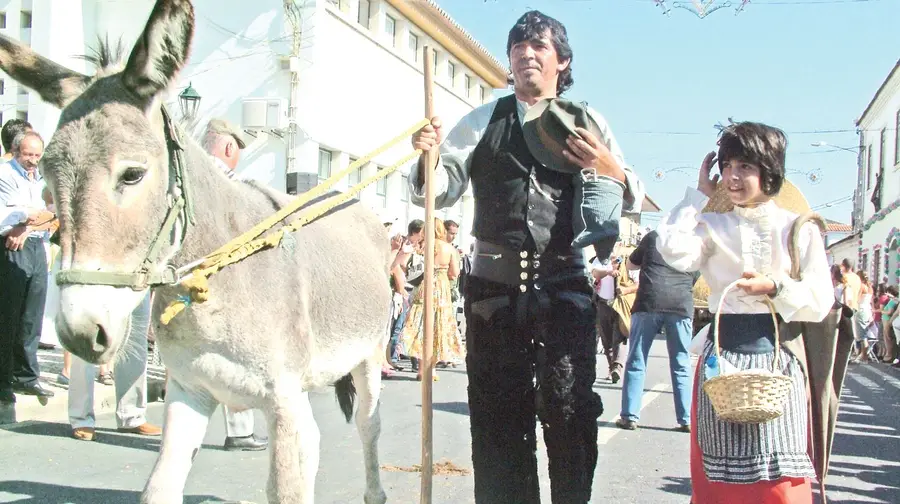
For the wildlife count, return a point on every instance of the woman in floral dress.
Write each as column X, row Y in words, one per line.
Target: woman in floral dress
column 447, row 343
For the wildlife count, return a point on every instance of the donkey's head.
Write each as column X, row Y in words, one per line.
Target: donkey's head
column 107, row 166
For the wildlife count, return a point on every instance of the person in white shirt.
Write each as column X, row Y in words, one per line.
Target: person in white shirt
column 746, row 249
column 614, row 343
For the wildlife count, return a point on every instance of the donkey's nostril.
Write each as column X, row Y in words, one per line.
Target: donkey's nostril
column 101, row 342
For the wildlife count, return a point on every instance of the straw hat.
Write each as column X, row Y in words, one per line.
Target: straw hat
column 789, row 198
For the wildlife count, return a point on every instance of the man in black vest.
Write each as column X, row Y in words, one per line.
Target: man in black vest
column 530, row 339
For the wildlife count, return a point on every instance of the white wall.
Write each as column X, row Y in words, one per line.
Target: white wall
column 876, row 232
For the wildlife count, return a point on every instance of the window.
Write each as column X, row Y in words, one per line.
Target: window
column 21, row 114
column 896, row 138
column 2, row 20
column 324, row 164
column 481, row 93
column 468, row 86
column 404, row 188
column 390, row 28
column 2, row 86
column 362, row 16
column 869, row 167
column 381, row 189
column 22, row 90
column 435, row 61
column 451, row 72
column 26, row 19
column 414, row 45
column 354, row 177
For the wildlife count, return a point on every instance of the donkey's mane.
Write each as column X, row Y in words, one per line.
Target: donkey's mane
column 106, row 57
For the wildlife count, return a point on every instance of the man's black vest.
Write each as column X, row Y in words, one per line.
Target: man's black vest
column 519, row 203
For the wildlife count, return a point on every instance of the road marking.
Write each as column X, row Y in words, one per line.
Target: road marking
column 609, row 430
column 894, row 382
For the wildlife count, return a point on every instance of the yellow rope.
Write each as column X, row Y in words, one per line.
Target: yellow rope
column 250, row 243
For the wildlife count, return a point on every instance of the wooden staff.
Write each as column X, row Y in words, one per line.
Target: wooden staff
column 426, row 364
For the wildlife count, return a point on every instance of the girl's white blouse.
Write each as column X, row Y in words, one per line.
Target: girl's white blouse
column 724, row 246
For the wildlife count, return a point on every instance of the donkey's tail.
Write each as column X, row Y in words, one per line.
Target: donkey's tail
column 346, row 394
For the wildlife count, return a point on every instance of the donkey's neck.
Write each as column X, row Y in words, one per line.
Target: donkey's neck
column 223, row 208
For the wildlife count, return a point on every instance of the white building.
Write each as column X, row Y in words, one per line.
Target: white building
column 314, row 83
column 878, row 186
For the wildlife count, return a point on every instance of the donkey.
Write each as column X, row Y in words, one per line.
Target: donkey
column 310, row 313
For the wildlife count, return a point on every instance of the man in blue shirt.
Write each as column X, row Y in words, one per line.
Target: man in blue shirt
column 23, row 268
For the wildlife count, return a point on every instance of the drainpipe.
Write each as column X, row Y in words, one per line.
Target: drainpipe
column 293, row 13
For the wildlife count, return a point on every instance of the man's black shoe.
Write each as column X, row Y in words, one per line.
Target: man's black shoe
column 35, row 389
column 246, row 443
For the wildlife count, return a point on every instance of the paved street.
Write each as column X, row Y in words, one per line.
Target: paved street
column 42, row 465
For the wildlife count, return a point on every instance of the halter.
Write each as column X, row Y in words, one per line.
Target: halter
column 148, row 274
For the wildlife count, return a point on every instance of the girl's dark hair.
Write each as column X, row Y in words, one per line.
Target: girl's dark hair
column 532, row 26
column 759, row 144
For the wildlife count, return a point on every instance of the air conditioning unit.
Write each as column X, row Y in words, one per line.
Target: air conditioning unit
column 264, row 114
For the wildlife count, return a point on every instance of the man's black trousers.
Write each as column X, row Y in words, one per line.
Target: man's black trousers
column 23, row 291
column 532, row 353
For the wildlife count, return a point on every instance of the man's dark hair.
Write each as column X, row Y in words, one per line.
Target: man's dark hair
column 847, row 264
column 450, row 223
column 759, row 144
column 532, row 26
column 414, row 226
column 11, row 129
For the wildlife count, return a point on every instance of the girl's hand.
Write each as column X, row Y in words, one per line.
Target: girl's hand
column 757, row 284
column 704, row 184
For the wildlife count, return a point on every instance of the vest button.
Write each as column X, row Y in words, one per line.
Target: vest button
column 523, row 254
column 523, row 264
column 523, row 288
column 523, row 275
column 531, row 223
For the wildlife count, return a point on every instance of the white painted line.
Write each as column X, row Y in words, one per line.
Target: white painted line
column 608, row 430
column 894, row 382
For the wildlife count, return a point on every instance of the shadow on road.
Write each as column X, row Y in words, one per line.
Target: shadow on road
column 675, row 485
column 45, row 493
column 104, row 436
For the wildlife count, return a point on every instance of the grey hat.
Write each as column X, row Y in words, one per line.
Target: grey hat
column 546, row 126
column 223, row 127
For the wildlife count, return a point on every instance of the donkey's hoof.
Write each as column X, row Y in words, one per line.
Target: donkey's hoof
column 378, row 497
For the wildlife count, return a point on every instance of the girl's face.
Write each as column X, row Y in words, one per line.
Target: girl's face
column 742, row 182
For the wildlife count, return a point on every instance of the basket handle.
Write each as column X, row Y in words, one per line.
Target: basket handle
column 731, row 286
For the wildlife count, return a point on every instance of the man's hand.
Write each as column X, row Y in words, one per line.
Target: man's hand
column 590, row 154
column 15, row 239
column 704, row 184
column 39, row 217
column 756, row 284
column 429, row 136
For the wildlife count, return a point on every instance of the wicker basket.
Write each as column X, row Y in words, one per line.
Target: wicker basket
column 748, row 396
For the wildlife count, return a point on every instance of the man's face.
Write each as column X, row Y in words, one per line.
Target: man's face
column 536, row 66
column 416, row 238
column 452, row 231
column 30, row 151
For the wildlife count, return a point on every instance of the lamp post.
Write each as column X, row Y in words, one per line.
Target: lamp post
column 189, row 99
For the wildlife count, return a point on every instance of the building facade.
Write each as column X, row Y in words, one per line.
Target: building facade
column 315, row 84
column 877, row 206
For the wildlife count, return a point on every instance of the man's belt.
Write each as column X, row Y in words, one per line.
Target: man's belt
column 524, row 268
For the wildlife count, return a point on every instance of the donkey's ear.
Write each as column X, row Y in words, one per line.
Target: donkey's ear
column 55, row 83
column 162, row 49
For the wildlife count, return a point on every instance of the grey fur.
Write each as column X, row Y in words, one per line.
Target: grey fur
column 278, row 324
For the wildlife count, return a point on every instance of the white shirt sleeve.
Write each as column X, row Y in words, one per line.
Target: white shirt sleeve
column 12, row 212
column 454, row 161
column 634, row 187
column 810, row 298
column 682, row 240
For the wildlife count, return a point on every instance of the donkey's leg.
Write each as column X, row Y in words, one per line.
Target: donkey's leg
column 187, row 416
column 293, row 452
column 367, row 379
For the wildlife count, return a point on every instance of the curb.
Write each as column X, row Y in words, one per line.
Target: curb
column 28, row 409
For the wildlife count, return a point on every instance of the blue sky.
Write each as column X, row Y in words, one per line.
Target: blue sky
column 663, row 82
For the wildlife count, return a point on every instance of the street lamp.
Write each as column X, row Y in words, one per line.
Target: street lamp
column 854, row 150
column 189, row 99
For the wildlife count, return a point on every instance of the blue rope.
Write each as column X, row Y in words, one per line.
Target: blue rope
column 185, row 299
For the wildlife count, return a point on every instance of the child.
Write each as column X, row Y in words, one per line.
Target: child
column 766, row 462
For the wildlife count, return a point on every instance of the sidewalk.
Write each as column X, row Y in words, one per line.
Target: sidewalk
column 28, row 409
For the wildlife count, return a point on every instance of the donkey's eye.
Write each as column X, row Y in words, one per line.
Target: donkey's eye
column 132, row 175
